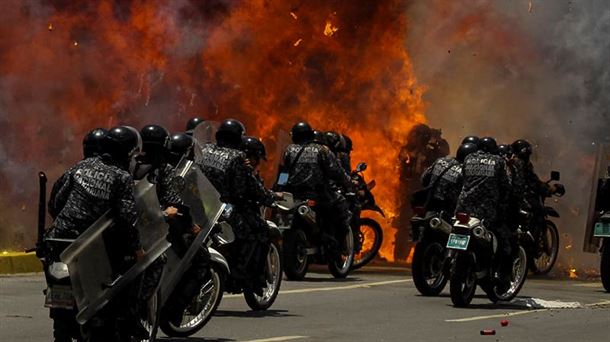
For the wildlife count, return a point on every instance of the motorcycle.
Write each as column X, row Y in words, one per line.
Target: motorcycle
column 602, row 231
column 430, row 233
column 368, row 233
column 542, row 248
column 258, row 299
column 472, row 251
column 304, row 242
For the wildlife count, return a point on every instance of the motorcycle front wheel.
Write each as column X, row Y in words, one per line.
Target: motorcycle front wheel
column 273, row 275
column 201, row 309
column 427, row 268
column 604, row 268
column 548, row 248
column 463, row 281
column 340, row 262
column 370, row 239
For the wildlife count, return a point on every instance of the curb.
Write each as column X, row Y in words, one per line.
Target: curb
column 12, row 263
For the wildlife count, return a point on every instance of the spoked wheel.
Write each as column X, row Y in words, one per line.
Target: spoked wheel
column 463, row 282
column 519, row 273
column 296, row 260
column 201, row 309
column 370, row 238
column 273, row 275
column 340, row 263
column 152, row 320
column 548, row 248
column 427, row 268
column 605, row 264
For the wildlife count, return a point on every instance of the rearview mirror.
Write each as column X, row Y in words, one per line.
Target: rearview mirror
column 361, row 167
column 555, row 176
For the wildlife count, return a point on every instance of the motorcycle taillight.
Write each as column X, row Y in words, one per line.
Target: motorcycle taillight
column 462, row 218
column 311, row 203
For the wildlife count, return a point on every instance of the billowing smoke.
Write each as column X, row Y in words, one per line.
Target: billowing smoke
column 522, row 69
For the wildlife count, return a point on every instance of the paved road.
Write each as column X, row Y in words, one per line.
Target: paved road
column 367, row 307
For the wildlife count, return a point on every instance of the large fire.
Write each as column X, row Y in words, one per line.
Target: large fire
column 341, row 65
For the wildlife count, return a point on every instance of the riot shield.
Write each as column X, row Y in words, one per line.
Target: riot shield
column 89, row 264
column 283, row 139
column 596, row 203
column 205, row 207
column 204, row 133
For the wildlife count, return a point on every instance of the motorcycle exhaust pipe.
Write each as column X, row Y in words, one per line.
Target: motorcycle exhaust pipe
column 435, row 223
column 480, row 233
column 438, row 224
column 307, row 214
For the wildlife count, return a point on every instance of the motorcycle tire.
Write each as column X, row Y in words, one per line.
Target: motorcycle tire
column 151, row 324
column 340, row 264
column 427, row 261
column 463, row 281
column 517, row 280
column 296, row 262
column 273, row 270
column 362, row 259
column 215, row 287
column 542, row 266
column 604, row 268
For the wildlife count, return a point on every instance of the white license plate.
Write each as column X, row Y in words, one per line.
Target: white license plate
column 59, row 297
column 602, row 229
column 458, row 241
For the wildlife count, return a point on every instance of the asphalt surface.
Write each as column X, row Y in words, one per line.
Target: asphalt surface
column 369, row 306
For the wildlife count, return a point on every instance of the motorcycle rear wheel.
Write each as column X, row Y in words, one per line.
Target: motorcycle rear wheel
column 296, row 261
column 519, row 274
column 151, row 323
column 604, row 268
column 340, row 263
column 273, row 270
column 549, row 243
column 463, row 281
column 368, row 228
column 202, row 308
column 427, row 268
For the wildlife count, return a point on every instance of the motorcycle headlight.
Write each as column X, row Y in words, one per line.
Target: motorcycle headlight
column 59, row 270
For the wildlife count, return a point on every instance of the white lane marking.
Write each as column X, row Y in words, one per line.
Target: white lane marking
column 337, row 288
column 592, row 285
column 518, row 313
column 538, row 303
column 281, row 338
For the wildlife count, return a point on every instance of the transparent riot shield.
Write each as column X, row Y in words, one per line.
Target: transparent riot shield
column 205, row 207
column 596, row 202
column 283, row 139
column 204, row 133
column 89, row 264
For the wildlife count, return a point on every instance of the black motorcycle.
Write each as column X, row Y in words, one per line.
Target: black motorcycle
column 368, row 233
column 305, row 243
column 258, row 297
column 472, row 261
column 602, row 231
column 430, row 233
column 542, row 247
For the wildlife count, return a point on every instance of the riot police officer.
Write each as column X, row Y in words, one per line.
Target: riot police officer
column 181, row 146
column 192, row 124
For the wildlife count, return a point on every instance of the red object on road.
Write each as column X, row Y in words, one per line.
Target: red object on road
column 504, row 323
column 488, row 332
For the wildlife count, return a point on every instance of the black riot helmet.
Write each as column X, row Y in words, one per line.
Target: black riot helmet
column 464, row 150
column 505, row 150
column 348, row 143
column 302, row 133
column 254, row 148
column 489, row 145
column 155, row 135
column 192, row 124
column 93, row 142
column 230, row 133
column 334, row 141
column 472, row 139
column 319, row 137
column 522, row 149
column 122, row 143
column 181, row 145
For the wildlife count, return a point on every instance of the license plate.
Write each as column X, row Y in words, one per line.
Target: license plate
column 602, row 229
column 59, row 297
column 457, row 241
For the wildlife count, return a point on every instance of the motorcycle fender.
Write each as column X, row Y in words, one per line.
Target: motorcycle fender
column 274, row 232
column 551, row 212
column 378, row 209
column 219, row 259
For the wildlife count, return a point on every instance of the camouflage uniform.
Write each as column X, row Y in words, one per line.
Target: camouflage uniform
column 312, row 176
column 447, row 190
column 528, row 189
column 227, row 170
